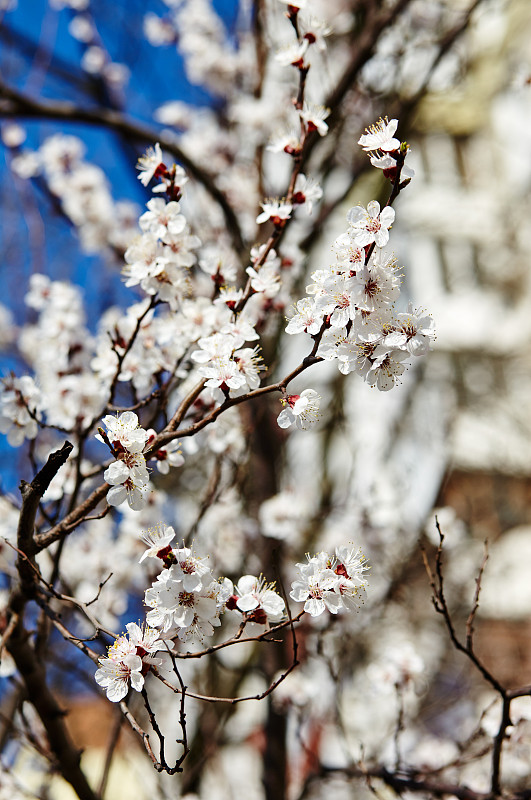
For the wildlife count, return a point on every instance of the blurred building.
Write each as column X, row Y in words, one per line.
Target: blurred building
column 469, row 242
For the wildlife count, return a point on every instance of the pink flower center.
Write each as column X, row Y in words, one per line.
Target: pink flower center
column 343, row 301
column 409, row 330
column 371, row 288
column 186, row 599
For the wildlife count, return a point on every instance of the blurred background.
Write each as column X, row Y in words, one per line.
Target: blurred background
column 454, row 437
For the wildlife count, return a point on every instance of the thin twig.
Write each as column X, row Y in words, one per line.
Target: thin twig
column 475, row 605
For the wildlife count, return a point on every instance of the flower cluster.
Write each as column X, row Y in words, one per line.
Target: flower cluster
column 185, row 603
column 128, row 660
column 159, row 259
column 353, row 300
column 197, row 324
column 187, row 613
column 213, row 265
column 331, row 582
column 230, row 369
column 185, row 600
column 256, row 599
column 58, row 347
column 300, row 409
column 128, row 475
column 19, row 409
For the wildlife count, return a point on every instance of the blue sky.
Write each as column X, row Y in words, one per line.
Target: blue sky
column 40, row 57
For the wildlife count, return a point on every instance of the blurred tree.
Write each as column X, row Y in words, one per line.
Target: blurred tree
column 247, row 99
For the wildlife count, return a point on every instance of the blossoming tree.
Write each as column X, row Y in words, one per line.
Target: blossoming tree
column 160, row 425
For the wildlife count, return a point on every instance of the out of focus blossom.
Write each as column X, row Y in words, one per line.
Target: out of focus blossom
column 20, row 399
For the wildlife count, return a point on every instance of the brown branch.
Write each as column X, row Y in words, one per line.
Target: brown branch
column 161, row 765
column 67, row 635
column 10, row 627
column 83, row 607
column 363, row 49
column 475, row 606
column 31, row 497
column 182, row 714
column 167, row 436
column 72, row 520
column 265, row 636
column 441, row 607
column 498, row 744
column 234, row 700
column 17, row 104
column 51, row 714
column 139, row 730
column 122, row 356
column 11, row 705
column 231, row 700
column 154, row 395
column 178, row 417
column 401, row 782
column 79, row 514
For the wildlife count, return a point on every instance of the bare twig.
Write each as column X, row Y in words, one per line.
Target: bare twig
column 440, row 604
column 441, row 607
column 475, row 606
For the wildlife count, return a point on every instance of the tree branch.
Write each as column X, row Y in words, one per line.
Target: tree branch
column 16, row 104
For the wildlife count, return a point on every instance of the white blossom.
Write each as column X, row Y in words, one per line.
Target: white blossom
column 314, row 117
column 306, row 192
column 370, row 225
column 121, row 667
column 380, row 136
column 162, row 218
column 317, row 586
column 125, row 431
column 385, row 368
column 125, row 661
column 275, row 210
column 258, row 600
column 20, row 401
column 412, row 331
column 158, row 541
column 301, row 410
column 192, row 613
column 128, row 479
column 149, row 163
column 307, row 318
column 114, row 675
